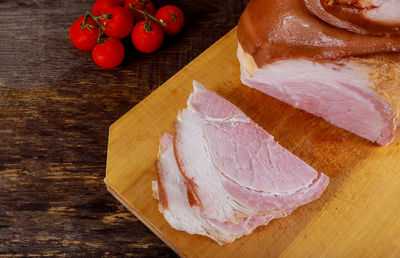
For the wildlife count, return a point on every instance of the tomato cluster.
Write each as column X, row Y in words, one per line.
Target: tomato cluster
column 100, row 31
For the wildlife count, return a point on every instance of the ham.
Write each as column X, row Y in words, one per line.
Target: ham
column 233, row 167
column 348, row 77
column 222, row 176
column 172, row 191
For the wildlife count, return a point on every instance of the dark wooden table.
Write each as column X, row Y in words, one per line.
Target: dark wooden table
column 55, row 109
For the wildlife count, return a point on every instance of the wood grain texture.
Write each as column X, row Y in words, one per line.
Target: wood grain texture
column 56, row 107
column 357, row 216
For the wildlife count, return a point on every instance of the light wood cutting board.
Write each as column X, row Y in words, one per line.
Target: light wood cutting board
column 358, row 215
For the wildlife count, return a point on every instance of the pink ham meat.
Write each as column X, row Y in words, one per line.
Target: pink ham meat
column 233, row 168
column 172, row 191
column 361, row 95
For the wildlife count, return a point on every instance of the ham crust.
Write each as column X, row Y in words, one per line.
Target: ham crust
column 271, row 30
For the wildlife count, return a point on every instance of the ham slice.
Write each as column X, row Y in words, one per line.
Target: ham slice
column 172, row 191
column 351, row 80
column 233, row 168
column 222, row 176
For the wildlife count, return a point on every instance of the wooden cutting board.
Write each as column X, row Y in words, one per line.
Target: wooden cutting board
column 358, row 215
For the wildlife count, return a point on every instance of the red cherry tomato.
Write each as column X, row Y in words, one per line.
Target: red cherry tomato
column 84, row 39
column 109, row 54
column 144, row 5
column 147, row 37
column 122, row 2
column 174, row 18
column 103, row 6
column 121, row 23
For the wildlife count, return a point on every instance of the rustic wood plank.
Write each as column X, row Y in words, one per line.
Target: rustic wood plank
column 55, row 109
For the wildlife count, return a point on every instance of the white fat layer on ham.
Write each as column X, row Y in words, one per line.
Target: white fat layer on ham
column 235, row 167
column 182, row 217
column 339, row 92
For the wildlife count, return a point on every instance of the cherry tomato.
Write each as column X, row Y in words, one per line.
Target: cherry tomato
column 173, row 17
column 122, row 2
column 121, row 23
column 109, row 54
column 84, row 39
column 103, row 6
column 147, row 37
column 144, row 5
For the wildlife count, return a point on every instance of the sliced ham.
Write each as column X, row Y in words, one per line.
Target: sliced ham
column 222, row 176
column 309, row 61
column 172, row 191
column 233, row 168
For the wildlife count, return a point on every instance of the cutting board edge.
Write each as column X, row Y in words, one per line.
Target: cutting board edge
column 108, row 153
column 141, row 218
column 187, row 66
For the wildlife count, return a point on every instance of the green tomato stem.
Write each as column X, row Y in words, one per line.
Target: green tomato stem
column 174, row 16
column 146, row 14
column 142, row 3
column 102, row 28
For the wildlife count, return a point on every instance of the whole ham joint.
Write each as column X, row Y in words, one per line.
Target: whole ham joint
column 314, row 55
column 221, row 175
